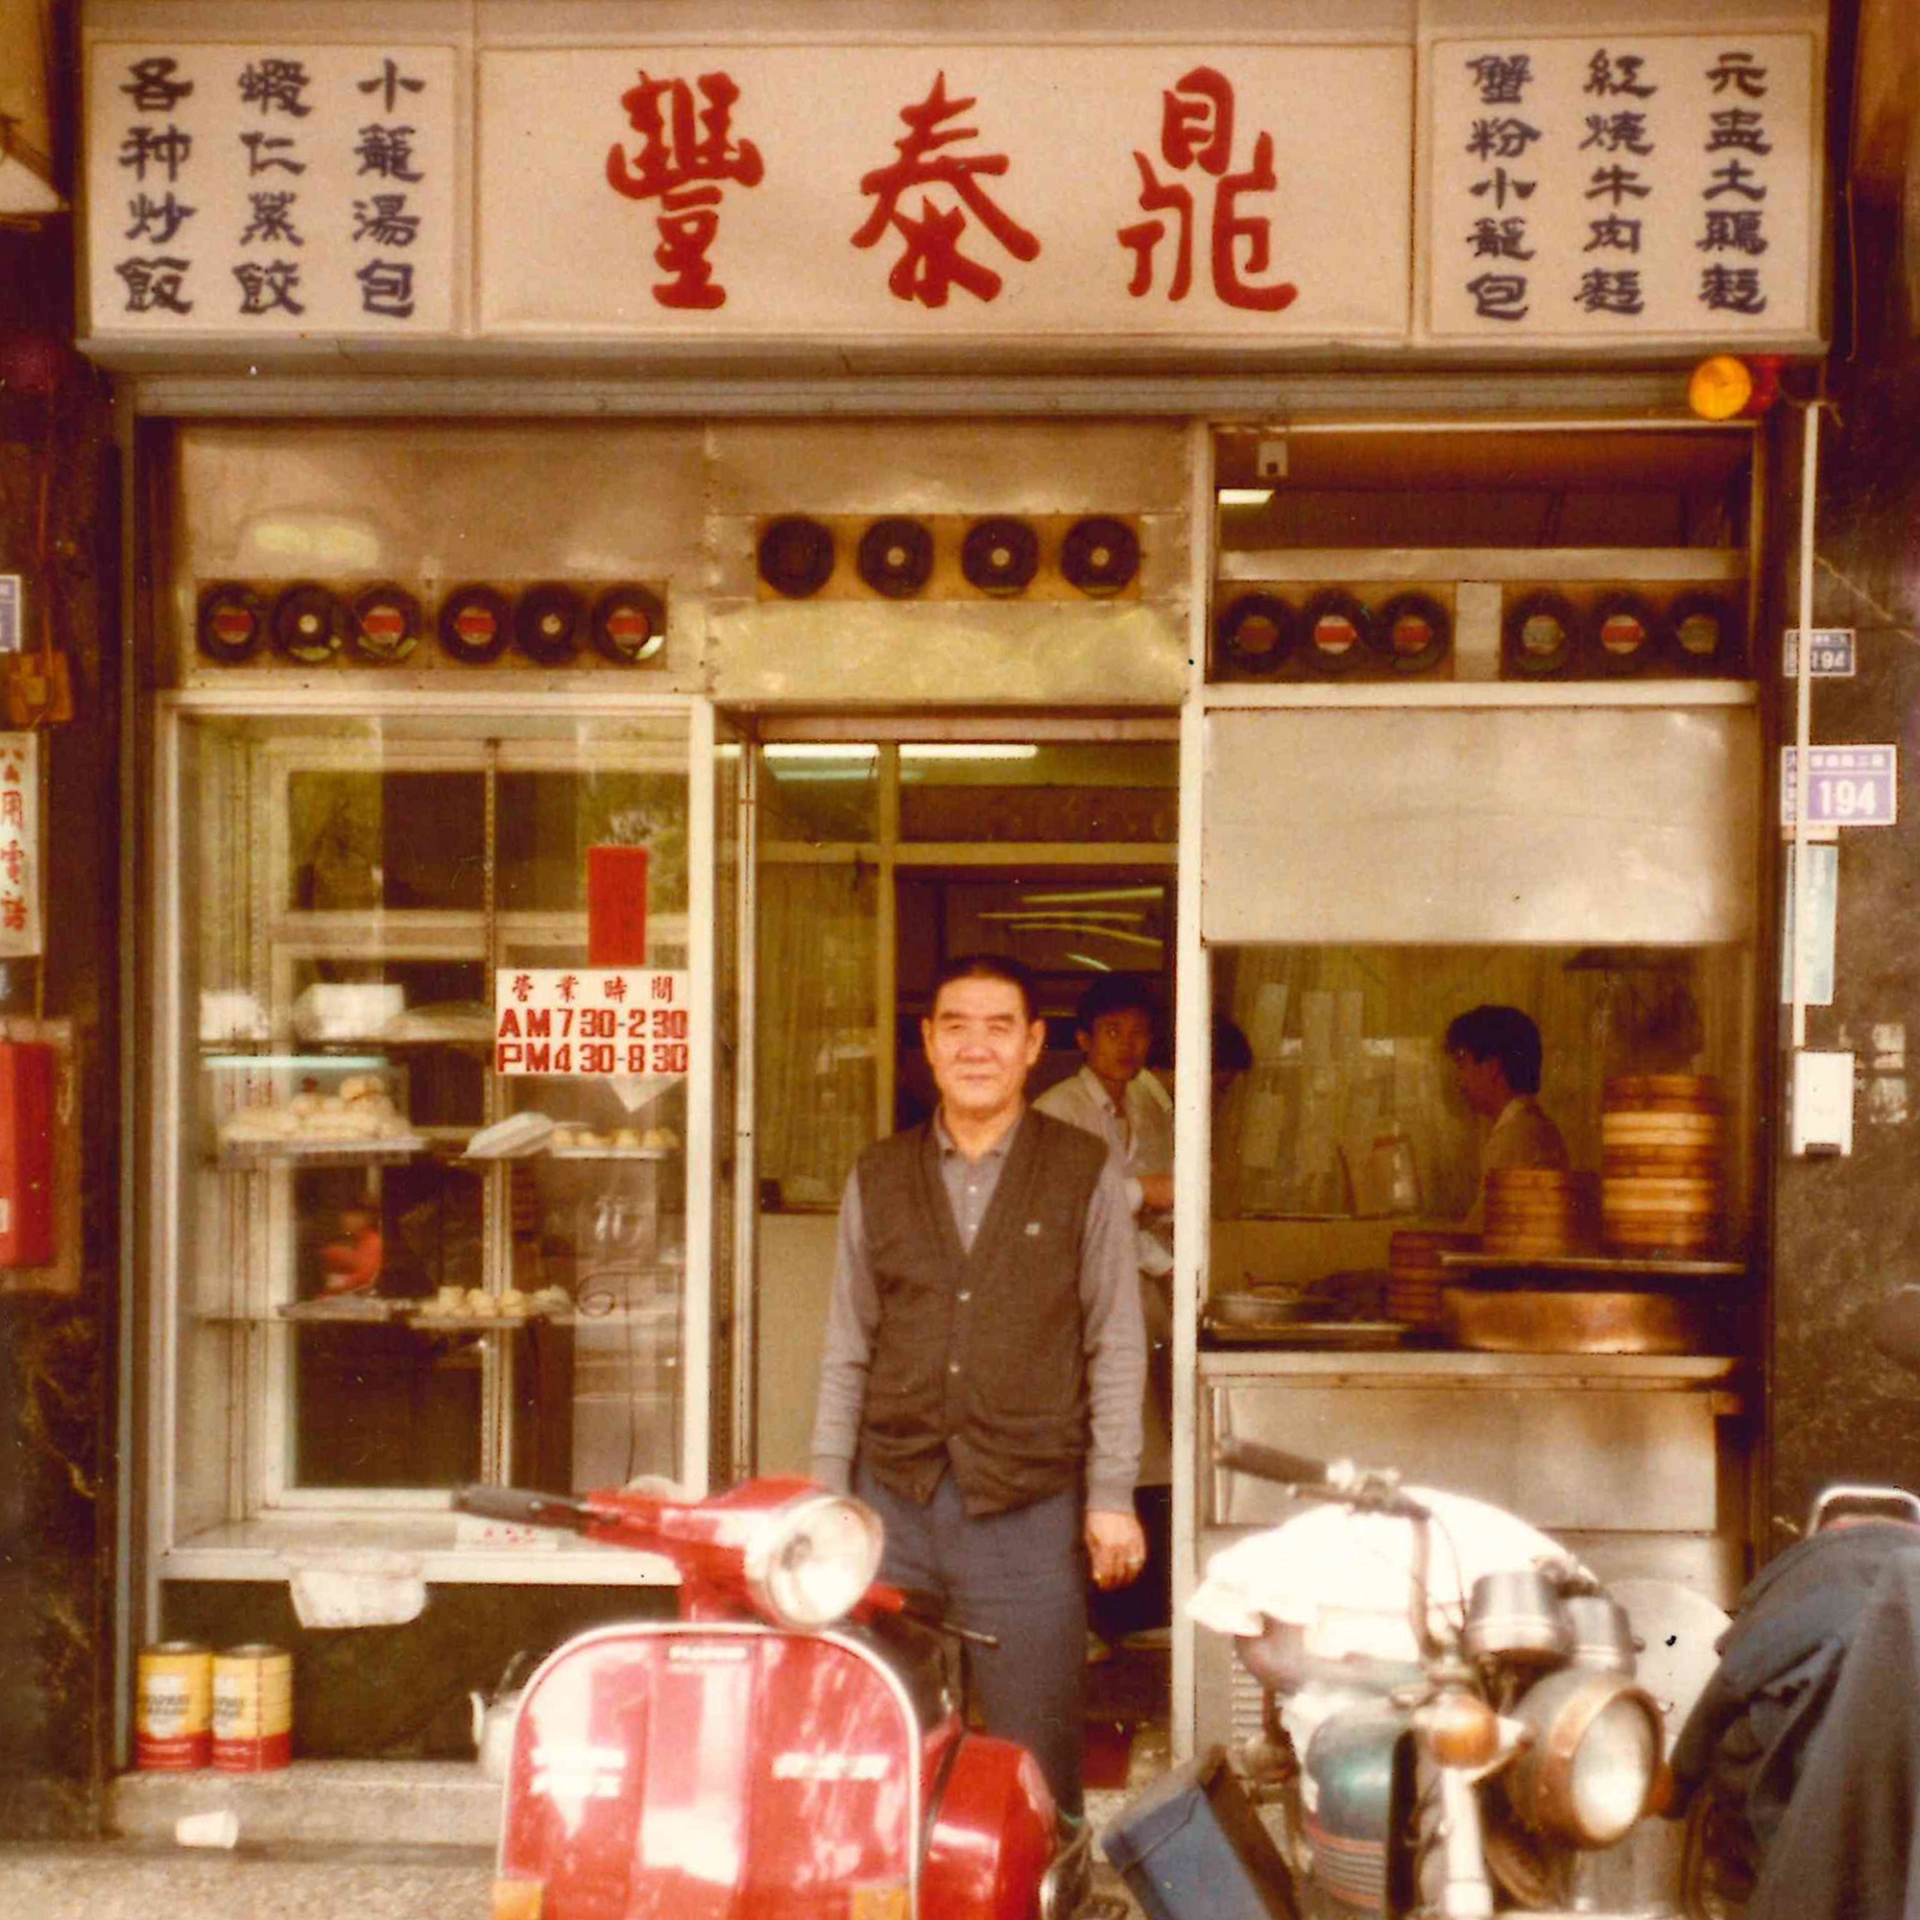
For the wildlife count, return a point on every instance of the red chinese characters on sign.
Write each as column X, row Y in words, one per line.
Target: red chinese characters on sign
column 686, row 155
column 19, row 846
column 1196, row 136
column 931, row 263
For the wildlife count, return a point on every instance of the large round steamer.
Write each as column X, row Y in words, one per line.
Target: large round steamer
column 1416, row 1275
column 1539, row 1211
column 1663, row 1187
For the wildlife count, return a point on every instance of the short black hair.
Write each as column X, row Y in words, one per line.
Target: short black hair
column 989, row 966
column 1504, row 1034
column 1115, row 993
column 1231, row 1051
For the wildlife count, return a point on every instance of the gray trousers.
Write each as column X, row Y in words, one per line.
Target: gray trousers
column 1021, row 1576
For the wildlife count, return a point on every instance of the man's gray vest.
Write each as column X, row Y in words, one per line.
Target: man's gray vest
column 979, row 1360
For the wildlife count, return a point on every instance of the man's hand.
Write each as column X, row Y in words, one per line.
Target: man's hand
column 1156, row 1192
column 1116, row 1546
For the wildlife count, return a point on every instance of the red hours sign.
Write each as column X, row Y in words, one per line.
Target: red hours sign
column 593, row 1022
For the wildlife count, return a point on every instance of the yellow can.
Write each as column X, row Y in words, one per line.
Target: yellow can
column 252, row 1709
column 173, row 1709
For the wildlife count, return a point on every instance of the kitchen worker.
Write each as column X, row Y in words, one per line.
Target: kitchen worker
column 1115, row 1098
column 1496, row 1057
column 984, row 1363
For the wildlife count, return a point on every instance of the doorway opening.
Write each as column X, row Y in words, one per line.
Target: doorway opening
column 878, row 856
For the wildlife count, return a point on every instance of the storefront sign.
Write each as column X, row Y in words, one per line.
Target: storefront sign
column 19, row 845
column 271, row 189
column 592, row 1021
column 1623, row 186
column 1847, row 787
column 9, row 613
column 1605, row 190
column 1027, row 191
column 1830, row 655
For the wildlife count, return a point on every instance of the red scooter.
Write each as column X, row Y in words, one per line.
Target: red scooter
column 791, row 1747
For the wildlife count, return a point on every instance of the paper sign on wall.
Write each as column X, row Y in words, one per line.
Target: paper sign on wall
column 271, row 190
column 20, row 933
column 1821, row 898
column 1622, row 185
column 602, row 1022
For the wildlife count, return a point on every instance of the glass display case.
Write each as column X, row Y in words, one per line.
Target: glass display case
column 389, row 1268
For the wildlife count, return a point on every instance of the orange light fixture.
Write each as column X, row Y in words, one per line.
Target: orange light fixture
column 1720, row 387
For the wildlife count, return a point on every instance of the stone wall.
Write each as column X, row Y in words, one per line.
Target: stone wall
column 57, row 1362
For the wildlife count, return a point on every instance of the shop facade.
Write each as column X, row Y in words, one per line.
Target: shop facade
column 629, row 568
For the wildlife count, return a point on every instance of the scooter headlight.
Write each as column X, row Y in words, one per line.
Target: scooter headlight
column 813, row 1559
column 1586, row 1775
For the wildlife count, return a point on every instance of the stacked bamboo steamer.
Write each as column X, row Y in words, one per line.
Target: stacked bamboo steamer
column 1415, row 1275
column 1662, row 1189
column 1539, row 1212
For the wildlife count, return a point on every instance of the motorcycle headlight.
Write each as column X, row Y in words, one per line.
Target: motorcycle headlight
column 1587, row 1772
column 813, row 1559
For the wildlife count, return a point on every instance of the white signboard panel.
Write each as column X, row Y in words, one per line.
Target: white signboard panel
column 952, row 192
column 1622, row 186
column 270, row 190
column 19, row 845
column 606, row 1022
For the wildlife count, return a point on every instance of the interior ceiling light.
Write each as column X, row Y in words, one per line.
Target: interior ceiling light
column 1073, row 896
column 822, row 750
column 970, row 750
column 1092, row 916
column 1245, row 496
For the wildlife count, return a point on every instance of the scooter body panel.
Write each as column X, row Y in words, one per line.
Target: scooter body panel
column 715, row 1772
column 993, row 1833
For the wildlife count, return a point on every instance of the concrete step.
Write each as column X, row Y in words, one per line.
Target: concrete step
column 436, row 1803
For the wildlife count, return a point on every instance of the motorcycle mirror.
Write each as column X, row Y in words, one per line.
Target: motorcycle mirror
column 1893, row 1325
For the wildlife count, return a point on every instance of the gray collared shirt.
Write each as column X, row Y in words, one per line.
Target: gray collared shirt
column 1115, row 1342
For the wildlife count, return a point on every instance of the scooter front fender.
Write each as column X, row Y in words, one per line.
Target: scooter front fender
column 723, row 1771
column 993, row 1833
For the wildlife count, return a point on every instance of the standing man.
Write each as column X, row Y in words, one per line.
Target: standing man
column 1115, row 1098
column 981, row 1383
column 1496, row 1056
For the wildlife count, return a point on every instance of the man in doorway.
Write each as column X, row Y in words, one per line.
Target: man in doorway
column 1496, row 1055
column 984, row 1363
column 1116, row 1099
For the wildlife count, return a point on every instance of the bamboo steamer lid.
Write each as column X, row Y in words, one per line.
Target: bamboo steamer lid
column 1645, row 1120
column 1670, row 1231
column 1633, row 1133
column 1626, row 1089
column 1416, row 1306
column 1690, row 1199
column 1658, row 1162
column 1662, row 1093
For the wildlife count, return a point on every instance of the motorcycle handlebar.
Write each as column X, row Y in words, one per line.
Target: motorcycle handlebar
column 523, row 1508
column 1269, row 1463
